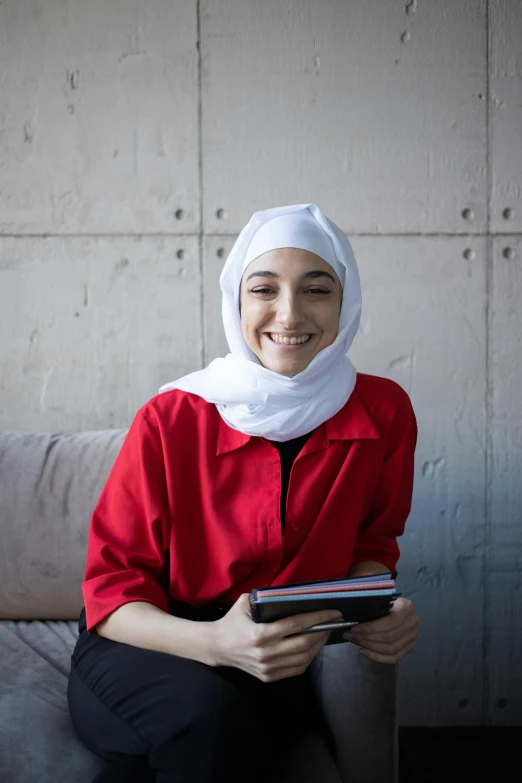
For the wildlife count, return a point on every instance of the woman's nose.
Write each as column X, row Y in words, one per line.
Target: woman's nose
column 289, row 314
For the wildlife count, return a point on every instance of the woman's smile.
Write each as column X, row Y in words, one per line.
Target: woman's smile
column 285, row 341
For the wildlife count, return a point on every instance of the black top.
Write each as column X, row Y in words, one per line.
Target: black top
column 288, row 451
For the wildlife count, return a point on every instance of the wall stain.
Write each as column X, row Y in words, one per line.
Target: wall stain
column 430, row 578
column 28, row 132
column 45, row 384
column 457, row 513
column 466, row 566
column 73, row 78
column 400, row 362
column 432, row 467
column 134, row 48
column 120, row 265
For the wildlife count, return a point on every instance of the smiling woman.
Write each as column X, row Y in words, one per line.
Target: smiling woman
column 290, row 307
column 274, row 465
column 297, row 389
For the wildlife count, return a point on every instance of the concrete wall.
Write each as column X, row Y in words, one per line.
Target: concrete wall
column 136, row 139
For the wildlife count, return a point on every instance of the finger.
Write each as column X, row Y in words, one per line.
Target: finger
column 380, row 658
column 400, row 610
column 298, row 667
column 388, row 648
column 299, row 622
column 281, row 674
column 390, row 635
column 304, row 644
column 385, row 626
column 377, row 643
column 318, row 646
column 243, row 604
column 301, row 660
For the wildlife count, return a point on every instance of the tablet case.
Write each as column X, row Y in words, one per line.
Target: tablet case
column 359, row 599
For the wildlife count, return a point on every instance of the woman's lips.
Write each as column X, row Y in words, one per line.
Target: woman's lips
column 288, row 347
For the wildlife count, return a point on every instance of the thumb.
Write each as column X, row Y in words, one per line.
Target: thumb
column 243, row 604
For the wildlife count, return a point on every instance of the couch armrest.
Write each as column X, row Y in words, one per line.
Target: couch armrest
column 359, row 699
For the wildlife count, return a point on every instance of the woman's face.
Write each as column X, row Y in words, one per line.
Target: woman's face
column 290, row 305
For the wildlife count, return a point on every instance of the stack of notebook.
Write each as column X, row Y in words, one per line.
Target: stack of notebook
column 359, row 599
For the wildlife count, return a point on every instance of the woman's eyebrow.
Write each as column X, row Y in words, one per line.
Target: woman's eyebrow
column 313, row 274
column 319, row 273
column 262, row 273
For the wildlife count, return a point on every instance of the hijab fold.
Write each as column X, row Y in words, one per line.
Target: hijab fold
column 251, row 398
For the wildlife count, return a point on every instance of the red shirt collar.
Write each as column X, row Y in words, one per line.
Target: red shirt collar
column 352, row 422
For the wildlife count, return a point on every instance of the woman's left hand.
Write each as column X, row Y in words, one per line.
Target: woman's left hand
column 387, row 639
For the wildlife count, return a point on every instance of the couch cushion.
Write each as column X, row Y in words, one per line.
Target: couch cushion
column 38, row 741
column 49, row 485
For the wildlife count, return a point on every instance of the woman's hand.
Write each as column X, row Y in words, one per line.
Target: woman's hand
column 261, row 649
column 390, row 638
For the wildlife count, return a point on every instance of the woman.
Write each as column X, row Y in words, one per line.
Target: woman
column 277, row 464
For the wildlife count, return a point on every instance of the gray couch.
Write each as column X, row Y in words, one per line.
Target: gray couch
column 49, row 484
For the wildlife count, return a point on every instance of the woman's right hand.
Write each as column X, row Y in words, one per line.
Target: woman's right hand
column 261, row 649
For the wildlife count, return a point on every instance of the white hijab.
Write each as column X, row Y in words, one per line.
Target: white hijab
column 251, row 398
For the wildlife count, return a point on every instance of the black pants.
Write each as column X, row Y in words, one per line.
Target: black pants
column 159, row 717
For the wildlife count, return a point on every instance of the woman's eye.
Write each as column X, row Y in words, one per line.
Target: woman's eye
column 265, row 290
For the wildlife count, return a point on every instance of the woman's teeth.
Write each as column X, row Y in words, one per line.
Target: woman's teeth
column 277, row 338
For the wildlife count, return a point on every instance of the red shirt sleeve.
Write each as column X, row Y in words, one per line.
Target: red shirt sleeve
column 128, row 535
column 391, row 505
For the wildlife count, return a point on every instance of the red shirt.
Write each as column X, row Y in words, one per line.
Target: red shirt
column 191, row 508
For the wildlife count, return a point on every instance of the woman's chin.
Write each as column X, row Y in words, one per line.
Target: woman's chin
column 286, row 368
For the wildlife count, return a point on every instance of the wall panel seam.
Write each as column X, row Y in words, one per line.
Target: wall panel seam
column 202, row 330
column 202, row 234
column 487, row 402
